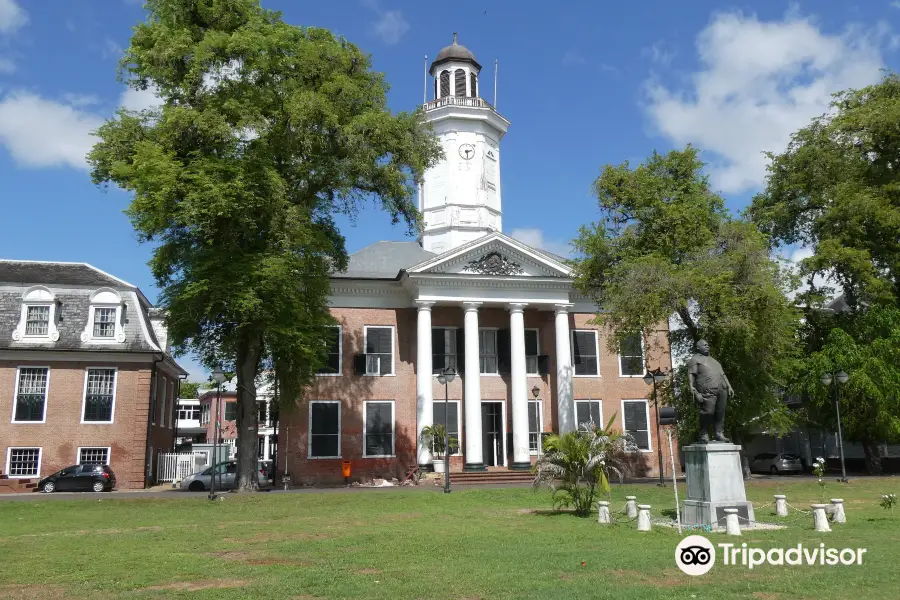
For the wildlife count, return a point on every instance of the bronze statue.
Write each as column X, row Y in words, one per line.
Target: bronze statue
column 711, row 390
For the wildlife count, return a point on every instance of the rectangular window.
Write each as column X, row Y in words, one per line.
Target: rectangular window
column 188, row 412
column 585, row 358
column 37, row 320
column 104, row 322
column 588, row 411
column 452, row 424
column 535, row 425
column 31, row 394
column 379, row 429
column 324, row 429
column 99, row 395
column 93, row 456
column 637, row 422
column 162, row 403
column 332, row 364
column 443, row 349
column 631, row 356
column 231, row 411
column 532, row 350
column 379, row 350
column 487, row 351
column 23, row 462
column 204, row 414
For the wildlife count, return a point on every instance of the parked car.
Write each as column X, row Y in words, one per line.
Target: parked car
column 773, row 463
column 225, row 477
column 80, row 478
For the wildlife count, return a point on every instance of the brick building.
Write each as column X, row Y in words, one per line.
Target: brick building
column 85, row 373
column 503, row 314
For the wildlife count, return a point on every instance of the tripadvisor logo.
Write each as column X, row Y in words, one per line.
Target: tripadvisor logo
column 695, row 555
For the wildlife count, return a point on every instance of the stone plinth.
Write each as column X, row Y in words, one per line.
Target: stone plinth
column 715, row 482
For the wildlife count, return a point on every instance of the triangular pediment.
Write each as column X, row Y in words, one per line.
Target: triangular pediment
column 494, row 255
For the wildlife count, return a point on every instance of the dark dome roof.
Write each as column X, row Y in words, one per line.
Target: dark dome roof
column 454, row 51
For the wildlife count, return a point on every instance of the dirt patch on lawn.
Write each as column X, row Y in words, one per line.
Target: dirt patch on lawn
column 195, row 586
column 15, row 591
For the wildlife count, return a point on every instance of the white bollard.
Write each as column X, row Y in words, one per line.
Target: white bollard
column 732, row 527
column 837, row 510
column 603, row 511
column 819, row 519
column 631, row 507
column 781, row 505
column 643, row 517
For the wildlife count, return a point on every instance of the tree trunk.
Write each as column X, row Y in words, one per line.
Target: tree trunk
column 247, row 364
column 873, row 458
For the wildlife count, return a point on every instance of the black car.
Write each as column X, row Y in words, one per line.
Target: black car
column 80, row 478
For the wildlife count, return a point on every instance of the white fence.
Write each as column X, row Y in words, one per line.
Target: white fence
column 172, row 466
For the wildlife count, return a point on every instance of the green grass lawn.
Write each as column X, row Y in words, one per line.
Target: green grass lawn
column 417, row 544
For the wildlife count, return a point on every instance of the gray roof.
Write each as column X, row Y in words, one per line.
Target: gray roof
column 454, row 51
column 384, row 260
column 58, row 273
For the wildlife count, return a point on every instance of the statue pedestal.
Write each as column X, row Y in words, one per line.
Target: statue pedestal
column 714, row 482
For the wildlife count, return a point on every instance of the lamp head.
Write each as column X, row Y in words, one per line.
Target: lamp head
column 659, row 376
column 218, row 376
column 826, row 379
column 535, row 391
column 648, row 378
column 442, row 379
column 449, row 374
column 842, row 377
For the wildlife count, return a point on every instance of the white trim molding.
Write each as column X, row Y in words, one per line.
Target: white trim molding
column 393, row 350
column 647, row 413
column 16, row 394
column 340, row 432
column 105, row 299
column 38, row 296
column 80, row 448
column 40, row 459
column 596, row 349
column 112, row 414
column 393, row 429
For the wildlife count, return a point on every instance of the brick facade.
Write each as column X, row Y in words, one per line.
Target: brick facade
column 353, row 390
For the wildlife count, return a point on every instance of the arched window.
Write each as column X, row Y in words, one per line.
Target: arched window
column 445, row 83
column 460, row 80
column 436, row 96
column 473, row 86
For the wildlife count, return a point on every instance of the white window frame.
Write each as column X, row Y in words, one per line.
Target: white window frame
column 162, row 405
column 309, row 433
column 40, row 460
column 572, row 350
column 459, row 425
column 205, row 414
column 174, row 400
column 33, row 297
column 649, row 428
column 16, row 396
column 84, row 395
column 537, row 334
column 496, row 350
column 540, row 425
column 104, row 298
column 393, row 453
column 588, row 401
column 340, row 370
column 393, row 350
column 643, row 361
column 80, row 448
column 454, row 329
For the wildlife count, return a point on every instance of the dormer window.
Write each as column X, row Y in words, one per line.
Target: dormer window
column 37, row 322
column 104, row 322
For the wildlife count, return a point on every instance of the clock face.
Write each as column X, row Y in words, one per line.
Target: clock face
column 467, row 151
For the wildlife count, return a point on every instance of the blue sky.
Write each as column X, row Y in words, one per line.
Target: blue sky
column 583, row 83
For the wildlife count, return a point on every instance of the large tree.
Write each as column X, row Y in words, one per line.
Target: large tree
column 265, row 130
column 836, row 190
column 666, row 245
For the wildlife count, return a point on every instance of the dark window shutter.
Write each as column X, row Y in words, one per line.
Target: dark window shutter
column 473, row 88
column 437, row 349
column 543, row 364
column 445, row 83
column 359, row 364
column 460, row 80
column 504, row 353
column 460, row 350
column 531, row 342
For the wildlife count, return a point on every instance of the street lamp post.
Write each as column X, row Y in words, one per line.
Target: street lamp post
column 654, row 377
column 535, row 391
column 838, row 378
column 445, row 378
column 219, row 377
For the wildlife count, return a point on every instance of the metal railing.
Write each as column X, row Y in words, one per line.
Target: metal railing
column 457, row 101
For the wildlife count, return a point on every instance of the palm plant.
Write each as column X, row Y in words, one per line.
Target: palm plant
column 576, row 465
column 434, row 434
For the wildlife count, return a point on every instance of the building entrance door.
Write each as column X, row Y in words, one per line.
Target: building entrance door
column 492, row 428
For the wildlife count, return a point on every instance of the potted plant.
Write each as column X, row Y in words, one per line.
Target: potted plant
column 434, row 435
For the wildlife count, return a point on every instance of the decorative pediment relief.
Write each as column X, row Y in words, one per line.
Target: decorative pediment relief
column 494, row 263
column 496, row 255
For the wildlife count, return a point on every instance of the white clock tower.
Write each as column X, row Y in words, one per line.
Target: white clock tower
column 460, row 196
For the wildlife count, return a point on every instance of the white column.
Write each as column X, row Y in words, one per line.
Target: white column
column 519, row 381
column 564, row 402
column 472, row 380
column 266, row 455
column 424, row 376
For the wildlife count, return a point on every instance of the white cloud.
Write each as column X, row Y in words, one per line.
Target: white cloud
column 659, row 53
column 80, row 100
column 12, row 17
column 138, row 100
column 758, row 83
column 534, row 237
column 390, row 27
column 43, row 133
